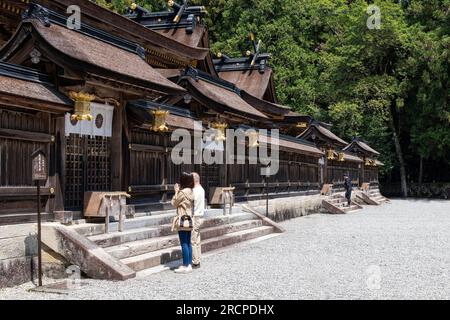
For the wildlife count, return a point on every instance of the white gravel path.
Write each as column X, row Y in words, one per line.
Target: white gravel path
column 399, row 250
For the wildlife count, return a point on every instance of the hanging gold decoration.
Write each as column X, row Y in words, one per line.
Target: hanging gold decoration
column 82, row 105
column 302, row 125
column 341, row 157
column 330, row 154
column 220, row 130
column 159, row 120
column 253, row 139
column 367, row 162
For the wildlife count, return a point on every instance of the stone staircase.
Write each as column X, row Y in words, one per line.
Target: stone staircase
column 376, row 195
column 337, row 204
column 372, row 197
column 147, row 240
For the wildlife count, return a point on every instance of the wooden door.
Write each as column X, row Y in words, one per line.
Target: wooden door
column 88, row 168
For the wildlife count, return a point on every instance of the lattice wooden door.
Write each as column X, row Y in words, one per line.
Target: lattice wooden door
column 88, row 168
column 210, row 177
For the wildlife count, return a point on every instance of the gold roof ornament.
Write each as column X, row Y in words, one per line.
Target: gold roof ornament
column 367, row 162
column 82, row 105
column 341, row 157
column 253, row 137
column 159, row 120
column 220, row 130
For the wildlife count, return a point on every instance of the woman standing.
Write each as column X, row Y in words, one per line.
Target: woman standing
column 183, row 201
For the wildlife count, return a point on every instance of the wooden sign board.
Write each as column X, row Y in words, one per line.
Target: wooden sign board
column 39, row 171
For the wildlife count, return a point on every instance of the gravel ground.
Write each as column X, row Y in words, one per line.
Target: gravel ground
column 399, row 250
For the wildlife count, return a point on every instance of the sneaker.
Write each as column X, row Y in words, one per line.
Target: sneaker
column 196, row 266
column 187, row 269
column 180, row 269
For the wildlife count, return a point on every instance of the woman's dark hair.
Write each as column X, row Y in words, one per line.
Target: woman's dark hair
column 186, row 180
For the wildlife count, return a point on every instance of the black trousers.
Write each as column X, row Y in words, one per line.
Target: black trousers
column 348, row 195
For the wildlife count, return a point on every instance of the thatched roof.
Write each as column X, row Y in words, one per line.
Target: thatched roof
column 252, row 81
column 224, row 97
column 318, row 131
column 102, row 55
column 359, row 146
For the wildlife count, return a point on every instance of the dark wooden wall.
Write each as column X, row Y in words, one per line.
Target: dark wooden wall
column 297, row 173
column 85, row 164
column 21, row 133
column 152, row 174
column 336, row 171
column 371, row 174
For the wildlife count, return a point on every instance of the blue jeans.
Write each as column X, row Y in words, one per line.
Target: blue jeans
column 186, row 247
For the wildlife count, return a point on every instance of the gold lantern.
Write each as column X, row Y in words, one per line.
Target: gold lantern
column 253, row 139
column 341, row 157
column 82, row 105
column 330, row 154
column 302, row 125
column 220, row 130
column 159, row 120
column 170, row 3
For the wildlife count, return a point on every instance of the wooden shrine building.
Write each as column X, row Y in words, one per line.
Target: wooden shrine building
column 103, row 101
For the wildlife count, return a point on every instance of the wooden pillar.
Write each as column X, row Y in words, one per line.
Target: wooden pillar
column 57, row 178
column 117, row 148
column 325, row 170
column 223, row 169
column 126, row 141
column 363, row 172
column 165, row 164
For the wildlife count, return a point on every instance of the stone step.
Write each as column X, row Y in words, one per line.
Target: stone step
column 91, row 229
column 337, row 200
column 130, row 235
column 117, row 238
column 149, row 245
column 20, row 218
column 153, row 213
column 208, row 212
column 352, row 208
column 152, row 259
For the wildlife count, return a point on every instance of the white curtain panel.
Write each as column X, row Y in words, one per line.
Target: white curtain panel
column 101, row 125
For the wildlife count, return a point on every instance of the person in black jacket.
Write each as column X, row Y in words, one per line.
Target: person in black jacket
column 348, row 189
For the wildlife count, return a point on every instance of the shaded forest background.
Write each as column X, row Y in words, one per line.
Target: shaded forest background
column 389, row 86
